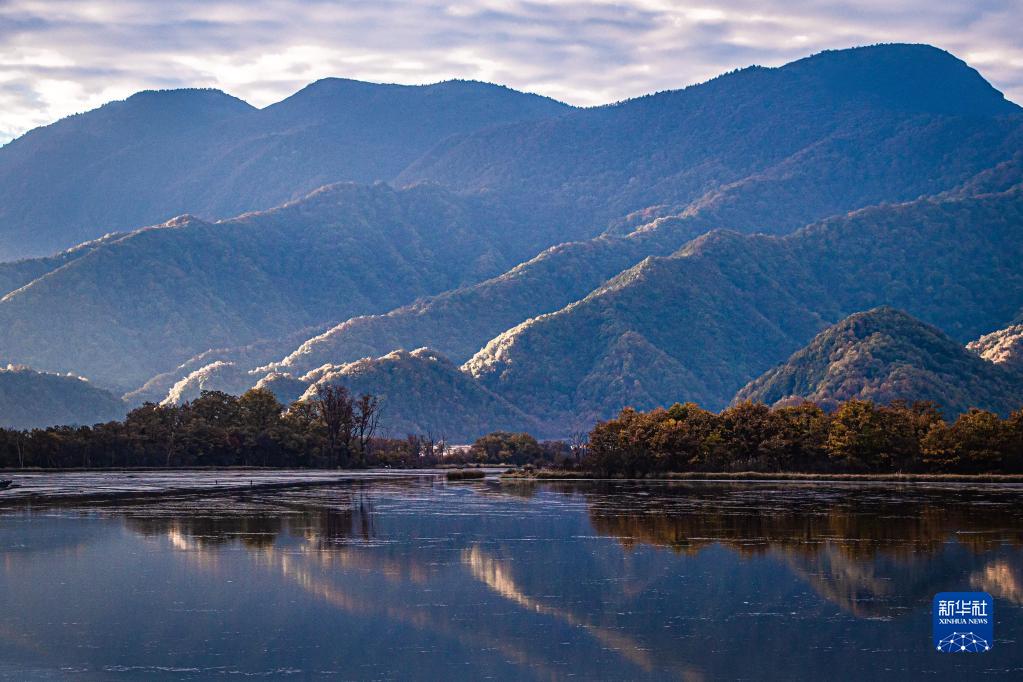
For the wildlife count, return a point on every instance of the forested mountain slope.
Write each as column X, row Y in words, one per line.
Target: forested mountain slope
column 583, row 211
column 458, row 322
column 30, row 399
column 1002, row 346
column 881, row 123
column 885, row 355
column 16, row 274
column 159, row 154
column 143, row 303
column 700, row 324
column 191, row 374
column 421, row 392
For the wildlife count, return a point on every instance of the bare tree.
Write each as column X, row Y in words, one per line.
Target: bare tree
column 172, row 422
column 335, row 408
column 431, row 444
column 366, row 420
column 579, row 443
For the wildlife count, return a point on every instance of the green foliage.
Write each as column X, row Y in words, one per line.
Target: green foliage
column 858, row 437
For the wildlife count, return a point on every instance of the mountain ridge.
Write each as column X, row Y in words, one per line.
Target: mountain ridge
column 600, row 165
column 422, row 392
column 674, row 246
column 30, row 399
column 742, row 303
column 884, row 355
column 197, row 285
column 158, row 154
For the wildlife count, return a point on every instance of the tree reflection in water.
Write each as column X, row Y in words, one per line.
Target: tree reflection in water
column 852, row 543
column 640, row 578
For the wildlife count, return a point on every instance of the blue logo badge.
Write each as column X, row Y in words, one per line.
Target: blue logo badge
column 964, row 622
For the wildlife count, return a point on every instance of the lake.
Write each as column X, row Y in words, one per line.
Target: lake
column 417, row 578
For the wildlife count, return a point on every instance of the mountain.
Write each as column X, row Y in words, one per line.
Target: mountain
column 557, row 240
column 195, row 374
column 1002, row 347
column 455, row 323
column 766, row 149
column 700, row 324
column 769, row 149
column 458, row 322
column 30, row 399
column 159, row 154
column 219, row 375
column 16, row 274
column 885, row 355
column 89, row 174
column 141, row 304
column 421, row 392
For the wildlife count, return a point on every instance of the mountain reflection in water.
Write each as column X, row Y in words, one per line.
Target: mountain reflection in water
column 416, row 578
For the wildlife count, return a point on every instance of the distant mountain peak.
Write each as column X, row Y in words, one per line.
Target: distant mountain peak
column 164, row 104
column 910, row 76
column 164, row 94
column 160, row 153
column 333, row 91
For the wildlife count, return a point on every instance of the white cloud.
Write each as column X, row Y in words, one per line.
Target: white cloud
column 59, row 57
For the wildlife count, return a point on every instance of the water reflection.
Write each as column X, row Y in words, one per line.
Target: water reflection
column 872, row 552
column 419, row 579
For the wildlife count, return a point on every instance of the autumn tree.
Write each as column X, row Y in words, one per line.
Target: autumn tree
column 982, row 440
column 502, row 447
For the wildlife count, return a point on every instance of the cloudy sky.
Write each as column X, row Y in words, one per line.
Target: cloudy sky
column 58, row 57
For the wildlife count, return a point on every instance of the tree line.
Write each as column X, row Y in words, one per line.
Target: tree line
column 216, row 429
column 338, row 429
column 335, row 429
column 857, row 437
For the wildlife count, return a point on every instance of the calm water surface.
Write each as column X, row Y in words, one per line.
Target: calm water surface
column 420, row 579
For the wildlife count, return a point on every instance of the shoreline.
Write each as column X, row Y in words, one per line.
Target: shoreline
column 555, row 475
column 45, row 487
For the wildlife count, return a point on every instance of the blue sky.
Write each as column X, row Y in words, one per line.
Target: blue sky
column 59, row 57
